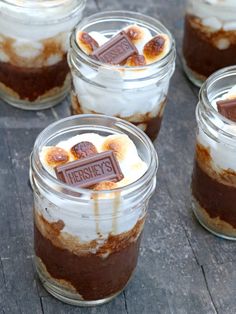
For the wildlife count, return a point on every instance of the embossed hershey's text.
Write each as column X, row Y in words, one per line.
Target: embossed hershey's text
column 89, row 172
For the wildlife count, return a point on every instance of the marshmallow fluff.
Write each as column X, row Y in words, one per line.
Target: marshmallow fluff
column 125, row 91
column 223, row 149
column 86, row 227
column 216, row 14
column 27, row 25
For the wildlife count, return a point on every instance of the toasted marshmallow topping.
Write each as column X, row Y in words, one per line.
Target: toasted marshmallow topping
column 150, row 49
column 86, row 144
column 223, row 150
column 86, row 42
column 156, row 48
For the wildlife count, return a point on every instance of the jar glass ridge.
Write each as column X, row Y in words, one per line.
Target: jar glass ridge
column 34, row 36
column 97, row 85
column 98, row 230
column 214, row 174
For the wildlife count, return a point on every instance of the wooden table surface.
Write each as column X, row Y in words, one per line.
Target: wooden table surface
column 182, row 268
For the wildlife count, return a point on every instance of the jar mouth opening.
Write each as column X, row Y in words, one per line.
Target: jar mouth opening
column 71, row 191
column 126, row 17
column 31, row 6
column 207, row 101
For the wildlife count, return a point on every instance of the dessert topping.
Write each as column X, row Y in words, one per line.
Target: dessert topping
column 86, row 42
column 135, row 61
column 83, row 149
column 55, row 156
column 156, row 48
column 227, row 108
column 90, row 170
column 116, row 51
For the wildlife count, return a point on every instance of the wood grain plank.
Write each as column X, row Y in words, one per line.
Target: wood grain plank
column 20, row 282
column 52, row 306
column 221, row 280
column 8, row 304
column 169, row 278
column 11, row 219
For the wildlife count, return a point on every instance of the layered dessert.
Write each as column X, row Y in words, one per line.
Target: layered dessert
column 214, row 175
column 132, row 87
column 209, row 37
column 34, row 73
column 89, row 249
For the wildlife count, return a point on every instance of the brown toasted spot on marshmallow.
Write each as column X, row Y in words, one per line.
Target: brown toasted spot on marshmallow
column 83, row 149
column 86, row 42
column 119, row 144
column 106, row 185
column 55, row 156
column 136, row 60
column 156, row 48
column 135, row 33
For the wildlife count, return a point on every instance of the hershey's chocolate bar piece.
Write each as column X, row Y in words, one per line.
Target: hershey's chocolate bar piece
column 117, row 50
column 90, row 170
column 227, row 108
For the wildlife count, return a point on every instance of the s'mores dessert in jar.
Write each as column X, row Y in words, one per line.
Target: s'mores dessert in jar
column 214, row 174
column 92, row 178
column 34, row 39
column 209, row 38
column 121, row 65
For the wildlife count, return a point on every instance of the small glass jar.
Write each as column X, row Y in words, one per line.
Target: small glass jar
column 214, row 174
column 135, row 94
column 209, row 38
column 34, row 73
column 86, row 241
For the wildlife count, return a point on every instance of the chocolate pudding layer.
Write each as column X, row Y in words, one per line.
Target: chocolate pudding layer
column 215, row 193
column 93, row 274
column 206, row 51
column 148, row 122
column 33, row 83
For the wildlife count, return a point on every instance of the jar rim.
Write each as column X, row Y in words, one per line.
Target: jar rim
column 71, row 191
column 122, row 15
column 31, row 6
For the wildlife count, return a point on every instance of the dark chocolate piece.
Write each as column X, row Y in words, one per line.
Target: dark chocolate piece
column 227, row 108
column 117, row 50
column 91, row 170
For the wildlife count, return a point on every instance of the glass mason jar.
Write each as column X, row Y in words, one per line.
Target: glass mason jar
column 209, row 38
column 135, row 94
column 86, row 241
column 214, row 174
column 34, row 73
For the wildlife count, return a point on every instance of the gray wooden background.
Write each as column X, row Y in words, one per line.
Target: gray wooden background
column 182, row 268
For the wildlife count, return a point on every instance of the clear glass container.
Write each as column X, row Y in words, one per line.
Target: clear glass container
column 86, row 241
column 135, row 94
column 214, row 174
column 34, row 39
column 209, row 38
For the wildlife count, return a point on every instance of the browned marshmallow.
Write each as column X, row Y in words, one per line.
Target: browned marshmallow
column 55, row 156
column 135, row 33
column 156, row 48
column 135, row 61
column 119, row 144
column 86, row 43
column 106, row 185
column 83, row 149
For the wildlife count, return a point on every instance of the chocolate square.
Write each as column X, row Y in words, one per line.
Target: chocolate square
column 117, row 50
column 227, row 108
column 91, row 170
